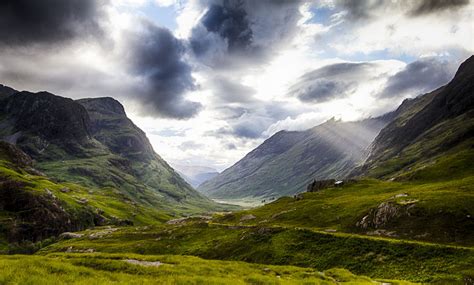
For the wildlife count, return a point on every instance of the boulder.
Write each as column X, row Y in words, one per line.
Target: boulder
column 247, row 218
column 69, row 235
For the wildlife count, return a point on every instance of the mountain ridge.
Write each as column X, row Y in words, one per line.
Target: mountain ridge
column 286, row 162
column 92, row 143
column 425, row 127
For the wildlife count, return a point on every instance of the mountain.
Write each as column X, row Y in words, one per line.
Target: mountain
column 286, row 162
column 30, row 205
column 433, row 126
column 6, row 91
column 195, row 174
column 91, row 143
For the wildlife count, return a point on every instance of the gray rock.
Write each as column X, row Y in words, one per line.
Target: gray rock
column 143, row 263
column 83, row 201
column 65, row 190
column 247, row 218
column 68, row 235
column 384, row 214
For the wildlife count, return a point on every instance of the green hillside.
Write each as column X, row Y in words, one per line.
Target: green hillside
column 71, row 166
column 91, row 142
column 426, row 128
column 378, row 258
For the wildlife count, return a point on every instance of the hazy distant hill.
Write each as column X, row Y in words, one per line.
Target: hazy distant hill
column 286, row 162
column 195, row 174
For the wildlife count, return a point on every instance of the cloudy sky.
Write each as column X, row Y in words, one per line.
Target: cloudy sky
column 209, row 80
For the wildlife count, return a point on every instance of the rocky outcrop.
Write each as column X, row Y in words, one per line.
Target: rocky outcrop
column 6, row 91
column 111, row 126
column 35, row 217
column 247, row 218
column 42, row 120
column 318, row 185
column 383, row 215
column 15, row 155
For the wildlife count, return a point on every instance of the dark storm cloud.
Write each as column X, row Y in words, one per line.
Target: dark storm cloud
column 330, row 82
column 230, row 91
column 157, row 58
column 247, row 130
column 24, row 22
column 245, row 28
column 418, row 77
column 244, row 129
column 363, row 10
column 230, row 21
column 322, row 90
column 359, row 9
column 433, row 6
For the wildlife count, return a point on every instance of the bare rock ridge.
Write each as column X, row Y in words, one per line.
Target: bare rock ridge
column 111, row 126
column 40, row 119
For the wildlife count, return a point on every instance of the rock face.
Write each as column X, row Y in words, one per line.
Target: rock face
column 110, row 125
column 6, row 91
column 43, row 119
column 15, row 155
column 425, row 127
column 34, row 217
column 318, row 185
column 383, row 215
column 288, row 161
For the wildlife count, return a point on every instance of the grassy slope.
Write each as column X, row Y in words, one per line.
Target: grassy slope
column 293, row 230
column 108, row 201
column 374, row 257
column 154, row 190
column 112, row 269
column 442, row 188
column 118, row 159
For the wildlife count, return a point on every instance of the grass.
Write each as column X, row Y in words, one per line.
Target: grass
column 113, row 269
column 145, row 183
column 107, row 199
column 442, row 209
column 373, row 257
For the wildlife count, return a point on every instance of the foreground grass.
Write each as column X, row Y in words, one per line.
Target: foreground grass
column 117, row 268
column 373, row 257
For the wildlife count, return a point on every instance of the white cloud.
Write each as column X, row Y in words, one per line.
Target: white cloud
column 228, row 127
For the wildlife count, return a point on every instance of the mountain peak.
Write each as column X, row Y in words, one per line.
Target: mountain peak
column 6, row 91
column 466, row 67
column 103, row 105
column 46, row 116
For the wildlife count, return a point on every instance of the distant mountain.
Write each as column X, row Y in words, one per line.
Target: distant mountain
column 428, row 128
column 91, row 142
column 286, row 162
column 195, row 174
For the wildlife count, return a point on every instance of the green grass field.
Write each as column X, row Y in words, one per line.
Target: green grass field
column 171, row 269
column 373, row 257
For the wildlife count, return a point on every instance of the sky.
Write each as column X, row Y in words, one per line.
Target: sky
column 209, row 80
